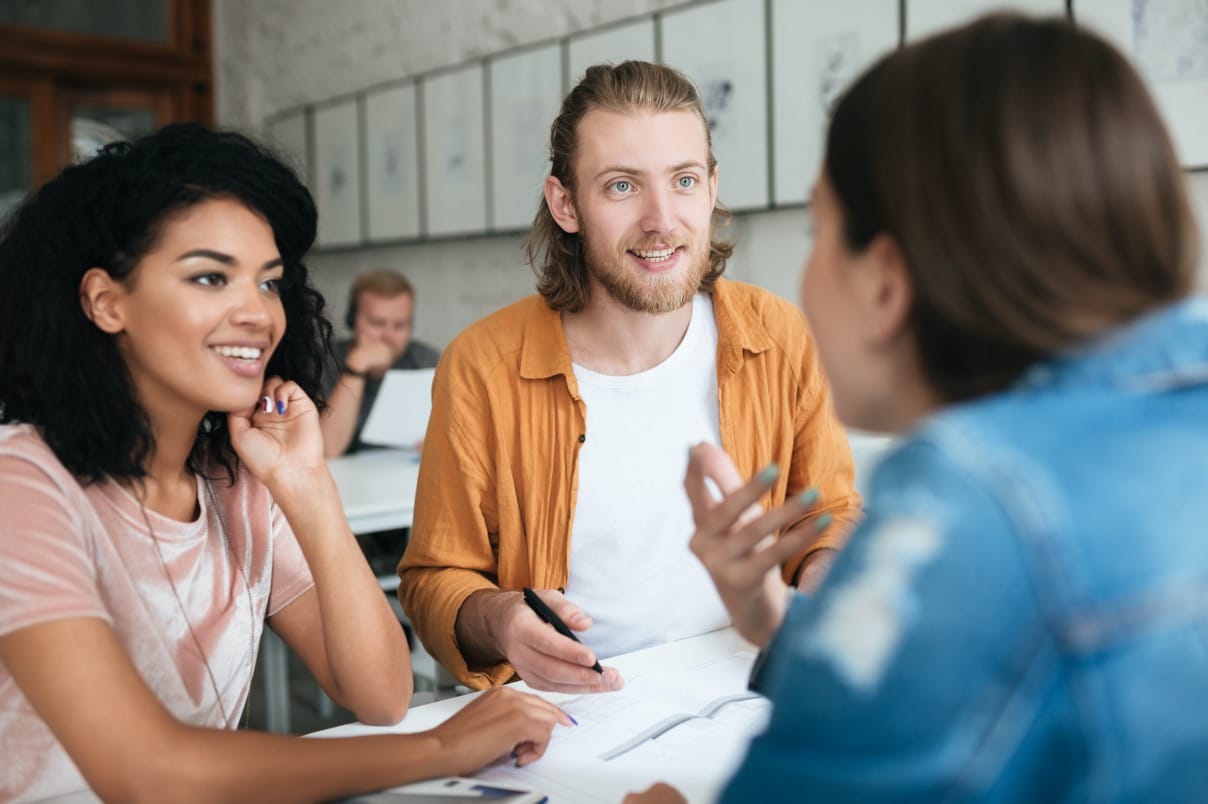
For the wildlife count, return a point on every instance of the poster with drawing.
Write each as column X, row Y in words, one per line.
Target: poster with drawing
column 337, row 174
column 287, row 135
column 392, row 164
column 1168, row 42
column 525, row 93
column 925, row 17
column 720, row 46
column 454, row 152
column 632, row 40
column 817, row 51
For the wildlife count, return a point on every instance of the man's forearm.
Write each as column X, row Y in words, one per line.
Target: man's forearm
column 477, row 626
column 339, row 421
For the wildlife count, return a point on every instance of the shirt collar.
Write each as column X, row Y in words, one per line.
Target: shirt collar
column 1165, row 349
column 545, row 354
column 740, row 328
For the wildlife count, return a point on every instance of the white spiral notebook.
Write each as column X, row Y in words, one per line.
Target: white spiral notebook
column 689, row 728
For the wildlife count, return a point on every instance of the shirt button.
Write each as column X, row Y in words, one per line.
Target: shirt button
column 582, row 438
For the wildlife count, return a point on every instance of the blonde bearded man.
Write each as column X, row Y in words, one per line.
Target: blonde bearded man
column 561, row 424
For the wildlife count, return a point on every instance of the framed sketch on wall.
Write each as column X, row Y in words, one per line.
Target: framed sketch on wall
column 629, row 41
column 925, row 17
column 817, row 50
column 454, row 153
column 288, row 137
column 720, row 46
column 1168, row 43
column 337, row 174
column 525, row 93
column 392, row 164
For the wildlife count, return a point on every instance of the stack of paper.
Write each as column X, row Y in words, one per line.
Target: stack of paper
column 400, row 413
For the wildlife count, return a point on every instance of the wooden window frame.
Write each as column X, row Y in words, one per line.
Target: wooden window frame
column 53, row 69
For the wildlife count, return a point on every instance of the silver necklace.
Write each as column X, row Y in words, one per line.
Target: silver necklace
column 247, row 588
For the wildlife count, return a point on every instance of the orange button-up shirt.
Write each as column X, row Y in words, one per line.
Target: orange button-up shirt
column 499, row 478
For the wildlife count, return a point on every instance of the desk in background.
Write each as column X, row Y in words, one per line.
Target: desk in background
column 377, row 490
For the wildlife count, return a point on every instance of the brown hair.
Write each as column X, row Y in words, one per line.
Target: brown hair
column 1024, row 171
column 557, row 256
column 380, row 282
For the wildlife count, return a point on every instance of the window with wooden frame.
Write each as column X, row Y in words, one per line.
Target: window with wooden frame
column 75, row 74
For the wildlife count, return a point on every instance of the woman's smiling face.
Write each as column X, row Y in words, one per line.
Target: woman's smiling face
column 200, row 315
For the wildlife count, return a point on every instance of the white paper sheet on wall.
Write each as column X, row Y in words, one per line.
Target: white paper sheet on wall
column 400, row 413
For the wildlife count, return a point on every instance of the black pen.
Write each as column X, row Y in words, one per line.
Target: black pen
column 543, row 611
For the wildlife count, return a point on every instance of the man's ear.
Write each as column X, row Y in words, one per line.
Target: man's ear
column 888, row 292
column 561, row 205
column 100, row 298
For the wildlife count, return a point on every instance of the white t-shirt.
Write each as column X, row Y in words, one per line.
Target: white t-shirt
column 630, row 567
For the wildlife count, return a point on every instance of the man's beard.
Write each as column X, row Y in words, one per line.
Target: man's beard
column 647, row 292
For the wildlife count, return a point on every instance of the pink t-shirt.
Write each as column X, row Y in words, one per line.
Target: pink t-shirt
column 68, row 550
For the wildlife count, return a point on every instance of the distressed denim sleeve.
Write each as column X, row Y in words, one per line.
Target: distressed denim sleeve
column 915, row 671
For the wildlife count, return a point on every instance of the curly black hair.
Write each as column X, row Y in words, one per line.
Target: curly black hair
column 61, row 373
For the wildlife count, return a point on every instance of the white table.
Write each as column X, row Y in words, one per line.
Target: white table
column 683, row 655
column 377, row 490
column 709, row 778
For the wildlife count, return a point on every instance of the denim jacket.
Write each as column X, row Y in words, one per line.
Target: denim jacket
column 1023, row 615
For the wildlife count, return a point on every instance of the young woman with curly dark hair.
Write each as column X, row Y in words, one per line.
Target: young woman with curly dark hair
column 165, row 496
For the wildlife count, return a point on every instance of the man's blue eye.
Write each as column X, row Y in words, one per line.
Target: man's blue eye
column 687, row 181
column 621, row 186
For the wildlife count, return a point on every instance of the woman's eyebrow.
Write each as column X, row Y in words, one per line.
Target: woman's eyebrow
column 216, row 256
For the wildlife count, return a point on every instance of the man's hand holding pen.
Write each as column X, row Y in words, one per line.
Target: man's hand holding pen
column 546, row 659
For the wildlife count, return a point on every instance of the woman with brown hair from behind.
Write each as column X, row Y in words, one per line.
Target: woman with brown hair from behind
column 1000, row 274
column 165, row 497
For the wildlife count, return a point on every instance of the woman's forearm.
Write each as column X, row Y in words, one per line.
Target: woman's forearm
column 364, row 649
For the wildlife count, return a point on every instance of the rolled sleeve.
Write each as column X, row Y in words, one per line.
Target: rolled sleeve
column 450, row 554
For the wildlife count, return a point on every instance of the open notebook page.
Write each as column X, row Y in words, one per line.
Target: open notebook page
column 689, row 728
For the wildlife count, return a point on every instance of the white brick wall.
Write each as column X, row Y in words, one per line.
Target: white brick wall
column 276, row 54
column 271, row 55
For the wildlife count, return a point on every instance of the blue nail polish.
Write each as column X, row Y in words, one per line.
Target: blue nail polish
column 808, row 497
column 822, row 522
column 572, row 718
column 280, row 405
column 768, row 473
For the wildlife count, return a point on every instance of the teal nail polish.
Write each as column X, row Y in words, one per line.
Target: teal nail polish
column 769, row 473
column 822, row 522
column 808, row 497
